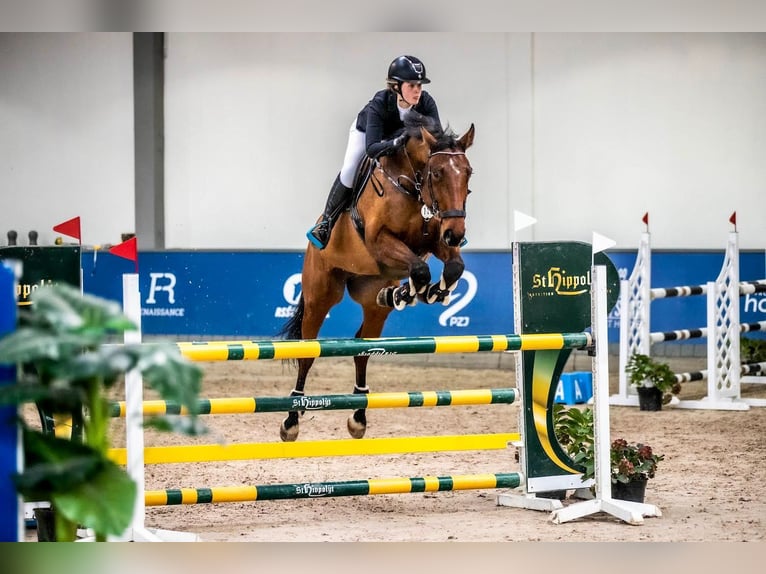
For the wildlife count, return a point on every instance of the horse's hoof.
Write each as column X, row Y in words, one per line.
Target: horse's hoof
column 355, row 428
column 288, row 434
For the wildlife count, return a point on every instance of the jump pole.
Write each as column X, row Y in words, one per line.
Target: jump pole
column 332, row 489
column 314, row 348
column 723, row 376
column 318, row 448
column 247, row 405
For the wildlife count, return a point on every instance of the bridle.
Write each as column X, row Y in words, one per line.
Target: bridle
column 427, row 211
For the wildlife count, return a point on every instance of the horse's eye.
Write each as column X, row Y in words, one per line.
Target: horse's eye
column 436, row 173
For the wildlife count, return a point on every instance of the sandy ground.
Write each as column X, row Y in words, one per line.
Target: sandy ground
column 708, row 487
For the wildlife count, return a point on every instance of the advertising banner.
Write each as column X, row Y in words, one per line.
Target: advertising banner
column 43, row 265
column 250, row 294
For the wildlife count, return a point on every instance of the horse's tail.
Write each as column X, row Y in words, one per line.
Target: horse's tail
column 292, row 328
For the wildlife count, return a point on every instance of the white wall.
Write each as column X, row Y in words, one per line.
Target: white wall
column 257, row 126
column 673, row 124
column 66, row 135
column 584, row 131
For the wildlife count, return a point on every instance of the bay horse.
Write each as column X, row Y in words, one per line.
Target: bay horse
column 411, row 206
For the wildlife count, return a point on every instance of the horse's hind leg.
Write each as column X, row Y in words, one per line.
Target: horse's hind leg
column 374, row 318
column 320, row 293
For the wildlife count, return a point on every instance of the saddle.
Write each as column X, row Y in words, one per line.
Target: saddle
column 363, row 173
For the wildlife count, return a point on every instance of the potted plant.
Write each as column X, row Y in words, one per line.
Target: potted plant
column 67, row 365
column 631, row 464
column 654, row 381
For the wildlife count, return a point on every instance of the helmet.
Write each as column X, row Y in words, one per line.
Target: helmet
column 407, row 69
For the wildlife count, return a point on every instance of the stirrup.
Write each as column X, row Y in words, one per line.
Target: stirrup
column 316, row 241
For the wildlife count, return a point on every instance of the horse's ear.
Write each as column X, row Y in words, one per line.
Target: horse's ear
column 428, row 138
column 466, row 140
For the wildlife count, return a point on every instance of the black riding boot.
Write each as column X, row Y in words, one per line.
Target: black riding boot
column 337, row 201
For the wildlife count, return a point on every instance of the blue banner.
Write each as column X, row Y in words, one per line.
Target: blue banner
column 250, row 294
column 676, row 269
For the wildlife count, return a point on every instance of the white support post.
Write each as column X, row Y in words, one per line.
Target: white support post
column 134, row 396
column 630, row 512
column 635, row 318
column 724, row 364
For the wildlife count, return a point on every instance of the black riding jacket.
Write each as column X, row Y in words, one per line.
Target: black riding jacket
column 380, row 121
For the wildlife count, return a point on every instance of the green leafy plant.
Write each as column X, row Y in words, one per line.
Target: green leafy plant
column 574, row 432
column 752, row 350
column 643, row 371
column 628, row 461
column 67, row 365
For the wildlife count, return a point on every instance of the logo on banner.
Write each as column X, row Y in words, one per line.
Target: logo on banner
column 613, row 319
column 558, row 281
column 458, row 302
column 755, row 303
column 162, row 285
column 291, row 291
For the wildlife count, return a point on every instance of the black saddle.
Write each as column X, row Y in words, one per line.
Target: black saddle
column 363, row 173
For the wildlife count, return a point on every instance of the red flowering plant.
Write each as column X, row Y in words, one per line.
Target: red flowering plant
column 632, row 461
column 628, row 461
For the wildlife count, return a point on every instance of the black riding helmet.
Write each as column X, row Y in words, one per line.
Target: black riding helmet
column 407, row 69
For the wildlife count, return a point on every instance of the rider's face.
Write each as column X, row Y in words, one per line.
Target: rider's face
column 411, row 92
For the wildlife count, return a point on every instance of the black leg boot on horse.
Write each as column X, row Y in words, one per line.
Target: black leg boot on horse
column 337, row 201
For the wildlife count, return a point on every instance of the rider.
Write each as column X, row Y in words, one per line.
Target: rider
column 376, row 131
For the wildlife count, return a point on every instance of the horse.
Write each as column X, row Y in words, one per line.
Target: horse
column 410, row 206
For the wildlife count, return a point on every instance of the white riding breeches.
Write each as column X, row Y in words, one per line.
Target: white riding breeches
column 355, row 150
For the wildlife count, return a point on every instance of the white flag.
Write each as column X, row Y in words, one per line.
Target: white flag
column 602, row 243
column 522, row 220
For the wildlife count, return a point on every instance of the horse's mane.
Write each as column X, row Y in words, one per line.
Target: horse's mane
column 446, row 138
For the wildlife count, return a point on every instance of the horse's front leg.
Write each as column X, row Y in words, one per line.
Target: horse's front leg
column 408, row 292
column 357, row 422
column 440, row 292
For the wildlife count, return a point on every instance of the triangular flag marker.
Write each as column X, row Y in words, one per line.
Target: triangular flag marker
column 70, row 228
column 127, row 250
column 733, row 220
column 522, row 220
column 602, row 243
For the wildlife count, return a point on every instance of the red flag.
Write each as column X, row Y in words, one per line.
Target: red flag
column 70, row 228
column 127, row 249
column 645, row 218
column 733, row 219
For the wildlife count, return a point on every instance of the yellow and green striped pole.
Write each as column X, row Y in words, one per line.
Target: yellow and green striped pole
column 312, row 348
column 331, row 489
column 248, row 405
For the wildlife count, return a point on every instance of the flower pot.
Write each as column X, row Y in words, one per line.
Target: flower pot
column 633, row 491
column 649, row 398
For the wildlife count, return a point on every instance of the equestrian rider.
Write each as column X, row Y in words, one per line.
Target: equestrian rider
column 377, row 130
